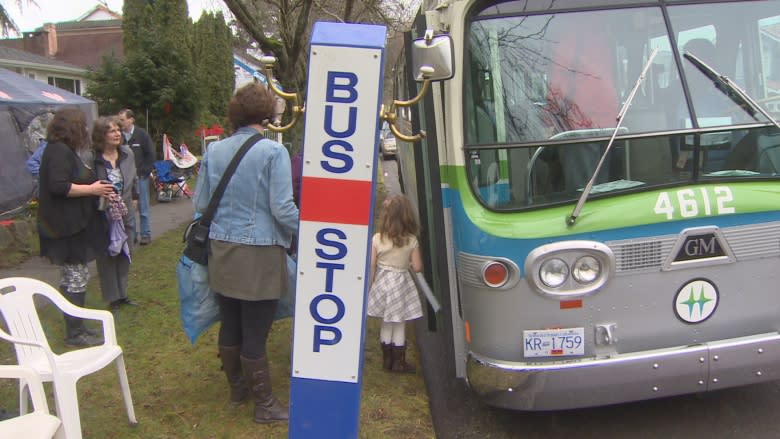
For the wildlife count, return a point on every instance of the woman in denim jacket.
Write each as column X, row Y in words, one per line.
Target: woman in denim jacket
column 249, row 236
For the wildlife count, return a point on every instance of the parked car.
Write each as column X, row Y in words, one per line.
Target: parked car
column 387, row 146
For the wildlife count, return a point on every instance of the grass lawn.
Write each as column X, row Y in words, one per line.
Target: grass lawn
column 179, row 390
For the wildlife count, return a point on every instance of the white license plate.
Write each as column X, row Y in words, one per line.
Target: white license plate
column 554, row 342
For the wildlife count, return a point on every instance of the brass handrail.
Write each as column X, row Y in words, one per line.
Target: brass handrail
column 297, row 110
column 390, row 115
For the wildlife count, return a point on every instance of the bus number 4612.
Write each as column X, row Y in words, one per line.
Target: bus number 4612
column 689, row 203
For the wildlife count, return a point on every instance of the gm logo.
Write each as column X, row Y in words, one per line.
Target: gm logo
column 696, row 301
column 700, row 247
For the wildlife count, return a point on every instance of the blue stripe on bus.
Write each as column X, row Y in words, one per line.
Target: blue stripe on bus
column 470, row 239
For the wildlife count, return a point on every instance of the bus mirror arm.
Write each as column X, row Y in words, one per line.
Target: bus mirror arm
column 391, row 117
column 621, row 114
column 297, row 110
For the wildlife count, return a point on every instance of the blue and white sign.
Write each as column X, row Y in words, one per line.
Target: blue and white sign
column 337, row 196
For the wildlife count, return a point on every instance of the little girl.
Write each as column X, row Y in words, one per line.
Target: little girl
column 393, row 295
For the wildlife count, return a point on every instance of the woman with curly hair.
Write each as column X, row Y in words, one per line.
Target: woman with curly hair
column 71, row 231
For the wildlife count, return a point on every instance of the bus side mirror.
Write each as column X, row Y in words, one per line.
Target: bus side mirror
column 434, row 51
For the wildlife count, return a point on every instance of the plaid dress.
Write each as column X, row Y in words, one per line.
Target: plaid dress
column 393, row 295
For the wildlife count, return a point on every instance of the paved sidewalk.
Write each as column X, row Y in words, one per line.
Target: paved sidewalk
column 165, row 217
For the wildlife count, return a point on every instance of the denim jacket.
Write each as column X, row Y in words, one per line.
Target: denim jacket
column 257, row 207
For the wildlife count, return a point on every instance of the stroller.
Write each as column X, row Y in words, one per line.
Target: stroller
column 170, row 175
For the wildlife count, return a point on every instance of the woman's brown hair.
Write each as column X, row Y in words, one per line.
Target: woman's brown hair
column 252, row 103
column 398, row 220
column 99, row 130
column 69, row 126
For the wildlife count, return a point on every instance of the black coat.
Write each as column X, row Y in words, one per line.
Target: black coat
column 58, row 215
column 143, row 150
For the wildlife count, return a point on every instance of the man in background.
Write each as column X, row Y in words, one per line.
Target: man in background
column 141, row 143
column 34, row 164
column 37, row 133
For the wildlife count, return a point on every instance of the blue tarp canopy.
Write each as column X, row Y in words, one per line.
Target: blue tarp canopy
column 25, row 106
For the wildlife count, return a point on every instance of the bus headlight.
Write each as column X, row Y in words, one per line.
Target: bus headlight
column 569, row 269
column 554, row 272
column 586, row 269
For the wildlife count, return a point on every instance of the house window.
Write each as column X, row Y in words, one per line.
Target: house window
column 71, row 85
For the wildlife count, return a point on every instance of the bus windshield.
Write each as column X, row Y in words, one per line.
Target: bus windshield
column 542, row 91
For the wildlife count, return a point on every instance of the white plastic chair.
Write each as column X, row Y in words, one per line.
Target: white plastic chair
column 17, row 307
column 36, row 425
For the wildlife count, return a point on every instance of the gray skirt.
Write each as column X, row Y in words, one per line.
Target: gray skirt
column 247, row 272
column 393, row 296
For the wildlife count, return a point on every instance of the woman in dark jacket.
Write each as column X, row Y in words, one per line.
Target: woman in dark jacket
column 71, row 232
column 114, row 162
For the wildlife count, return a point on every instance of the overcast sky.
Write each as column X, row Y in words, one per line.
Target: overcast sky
column 53, row 11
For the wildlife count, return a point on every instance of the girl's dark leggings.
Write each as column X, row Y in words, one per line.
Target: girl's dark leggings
column 246, row 323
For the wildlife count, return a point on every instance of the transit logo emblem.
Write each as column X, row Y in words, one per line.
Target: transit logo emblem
column 696, row 301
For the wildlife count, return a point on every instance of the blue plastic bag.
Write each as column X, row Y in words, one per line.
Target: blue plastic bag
column 198, row 306
column 286, row 306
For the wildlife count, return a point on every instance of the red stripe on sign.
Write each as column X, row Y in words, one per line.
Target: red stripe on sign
column 571, row 304
column 556, row 352
column 335, row 201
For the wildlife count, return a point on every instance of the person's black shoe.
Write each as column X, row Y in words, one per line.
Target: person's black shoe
column 145, row 240
column 127, row 301
column 91, row 332
column 82, row 340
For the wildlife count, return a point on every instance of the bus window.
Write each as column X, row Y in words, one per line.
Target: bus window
column 538, row 79
column 723, row 45
column 542, row 92
column 529, row 78
column 769, row 44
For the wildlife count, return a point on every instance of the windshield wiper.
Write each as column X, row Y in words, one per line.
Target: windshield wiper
column 730, row 89
column 619, row 118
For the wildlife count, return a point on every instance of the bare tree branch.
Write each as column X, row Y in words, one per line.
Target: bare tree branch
column 7, row 24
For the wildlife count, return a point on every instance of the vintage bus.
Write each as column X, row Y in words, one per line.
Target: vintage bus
column 599, row 190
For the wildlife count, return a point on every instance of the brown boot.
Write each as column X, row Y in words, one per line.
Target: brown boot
column 387, row 356
column 399, row 363
column 231, row 364
column 267, row 407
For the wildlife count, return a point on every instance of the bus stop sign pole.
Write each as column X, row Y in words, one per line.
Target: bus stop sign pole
column 346, row 65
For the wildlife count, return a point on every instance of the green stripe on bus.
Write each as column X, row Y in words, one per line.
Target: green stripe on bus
column 650, row 207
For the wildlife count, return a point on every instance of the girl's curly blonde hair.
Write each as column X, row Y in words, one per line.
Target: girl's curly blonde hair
column 398, row 220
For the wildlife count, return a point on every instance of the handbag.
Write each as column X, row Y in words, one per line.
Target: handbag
column 196, row 234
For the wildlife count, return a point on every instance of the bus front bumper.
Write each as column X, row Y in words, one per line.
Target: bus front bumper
column 585, row 382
